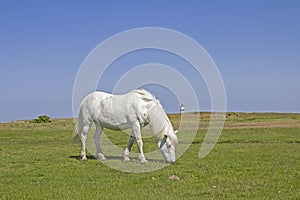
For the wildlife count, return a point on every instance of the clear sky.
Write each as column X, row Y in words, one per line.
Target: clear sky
column 255, row 44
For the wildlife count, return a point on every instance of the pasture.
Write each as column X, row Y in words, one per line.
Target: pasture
column 257, row 157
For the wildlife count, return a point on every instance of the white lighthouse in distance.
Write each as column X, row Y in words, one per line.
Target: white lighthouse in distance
column 182, row 108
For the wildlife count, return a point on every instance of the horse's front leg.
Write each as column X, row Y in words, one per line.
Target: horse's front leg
column 128, row 148
column 136, row 129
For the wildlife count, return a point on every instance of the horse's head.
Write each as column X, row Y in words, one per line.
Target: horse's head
column 167, row 148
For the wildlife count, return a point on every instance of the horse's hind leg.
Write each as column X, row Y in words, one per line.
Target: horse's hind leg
column 84, row 133
column 97, row 135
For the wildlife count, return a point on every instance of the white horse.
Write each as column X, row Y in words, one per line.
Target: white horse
column 134, row 110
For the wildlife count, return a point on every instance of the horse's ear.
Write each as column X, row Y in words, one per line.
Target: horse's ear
column 176, row 132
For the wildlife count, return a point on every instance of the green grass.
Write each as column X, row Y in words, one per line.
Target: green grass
column 40, row 162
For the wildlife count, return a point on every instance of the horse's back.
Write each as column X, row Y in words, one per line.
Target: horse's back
column 96, row 96
column 88, row 103
column 115, row 111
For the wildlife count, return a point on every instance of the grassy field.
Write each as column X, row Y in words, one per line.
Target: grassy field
column 257, row 157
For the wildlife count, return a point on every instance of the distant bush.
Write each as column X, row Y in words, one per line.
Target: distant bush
column 42, row 119
column 36, row 121
column 232, row 114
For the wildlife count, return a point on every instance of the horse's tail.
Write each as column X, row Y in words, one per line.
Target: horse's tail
column 78, row 127
column 75, row 137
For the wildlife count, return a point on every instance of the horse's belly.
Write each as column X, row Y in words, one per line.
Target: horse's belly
column 115, row 126
column 115, row 122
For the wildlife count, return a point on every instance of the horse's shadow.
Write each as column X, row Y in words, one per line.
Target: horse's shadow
column 91, row 157
column 79, row 157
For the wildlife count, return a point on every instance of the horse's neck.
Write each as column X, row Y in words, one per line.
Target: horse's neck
column 160, row 123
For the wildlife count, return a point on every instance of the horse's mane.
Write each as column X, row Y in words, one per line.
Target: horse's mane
column 159, row 122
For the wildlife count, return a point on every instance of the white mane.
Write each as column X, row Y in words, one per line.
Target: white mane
column 159, row 122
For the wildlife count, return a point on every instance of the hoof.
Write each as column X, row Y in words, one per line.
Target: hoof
column 101, row 157
column 84, row 158
column 144, row 161
column 127, row 159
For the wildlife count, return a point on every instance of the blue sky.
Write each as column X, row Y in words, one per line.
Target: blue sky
column 255, row 45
